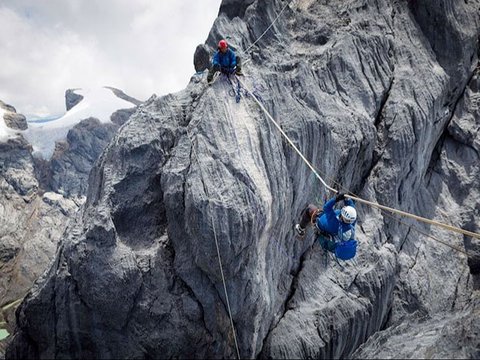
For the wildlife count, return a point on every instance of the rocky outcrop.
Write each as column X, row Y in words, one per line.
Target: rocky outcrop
column 424, row 337
column 121, row 116
column 12, row 119
column 455, row 168
column 73, row 158
column 195, row 195
column 201, row 58
column 15, row 121
column 235, row 8
column 72, row 98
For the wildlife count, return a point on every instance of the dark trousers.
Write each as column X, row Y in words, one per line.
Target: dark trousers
column 309, row 215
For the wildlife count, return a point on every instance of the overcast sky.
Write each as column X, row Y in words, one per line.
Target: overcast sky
column 140, row 46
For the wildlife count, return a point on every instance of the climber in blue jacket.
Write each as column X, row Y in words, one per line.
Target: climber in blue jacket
column 333, row 226
column 225, row 61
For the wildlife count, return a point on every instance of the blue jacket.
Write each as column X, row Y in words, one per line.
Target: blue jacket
column 227, row 61
column 330, row 223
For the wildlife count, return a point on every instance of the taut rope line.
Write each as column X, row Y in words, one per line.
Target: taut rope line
column 370, row 203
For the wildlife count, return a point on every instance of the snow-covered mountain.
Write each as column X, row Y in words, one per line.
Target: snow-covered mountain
column 99, row 103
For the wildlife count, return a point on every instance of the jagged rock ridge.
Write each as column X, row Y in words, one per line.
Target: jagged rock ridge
column 377, row 100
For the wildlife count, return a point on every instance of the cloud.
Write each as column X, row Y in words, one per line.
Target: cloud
column 142, row 47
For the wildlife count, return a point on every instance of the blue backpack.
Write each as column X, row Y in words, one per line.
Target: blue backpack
column 346, row 250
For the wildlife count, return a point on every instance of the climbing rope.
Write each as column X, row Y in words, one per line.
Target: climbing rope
column 286, row 137
column 218, row 254
column 370, row 203
column 269, row 27
column 456, row 248
column 416, row 217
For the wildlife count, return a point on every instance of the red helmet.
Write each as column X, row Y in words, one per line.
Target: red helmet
column 222, row 44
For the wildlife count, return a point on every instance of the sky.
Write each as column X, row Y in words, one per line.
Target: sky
column 140, row 46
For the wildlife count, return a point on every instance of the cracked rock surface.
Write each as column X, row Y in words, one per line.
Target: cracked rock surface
column 380, row 102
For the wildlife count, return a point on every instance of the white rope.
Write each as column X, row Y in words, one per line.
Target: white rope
column 218, row 254
column 416, row 217
column 225, row 288
column 287, row 138
column 385, row 208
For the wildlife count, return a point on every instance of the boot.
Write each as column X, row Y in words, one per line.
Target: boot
column 300, row 231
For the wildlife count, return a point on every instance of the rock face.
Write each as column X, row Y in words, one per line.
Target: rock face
column 442, row 336
column 235, row 8
column 15, row 121
column 72, row 98
column 12, row 119
column 121, row 116
column 74, row 158
column 194, row 195
column 31, row 223
column 201, row 58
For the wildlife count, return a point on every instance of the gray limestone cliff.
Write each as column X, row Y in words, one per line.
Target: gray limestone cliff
column 382, row 97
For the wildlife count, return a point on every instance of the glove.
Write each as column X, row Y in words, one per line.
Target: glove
column 340, row 197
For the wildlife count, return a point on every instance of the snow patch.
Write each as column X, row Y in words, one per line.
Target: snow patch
column 99, row 103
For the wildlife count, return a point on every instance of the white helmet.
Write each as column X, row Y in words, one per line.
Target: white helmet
column 349, row 214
